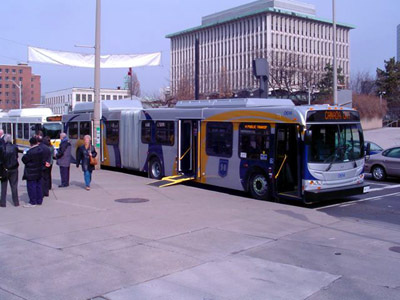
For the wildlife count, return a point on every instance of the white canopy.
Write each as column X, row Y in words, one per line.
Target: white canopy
column 87, row 60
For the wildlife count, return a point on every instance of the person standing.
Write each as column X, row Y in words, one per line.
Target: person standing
column 84, row 155
column 46, row 164
column 47, row 182
column 10, row 165
column 33, row 160
column 64, row 159
column 2, row 142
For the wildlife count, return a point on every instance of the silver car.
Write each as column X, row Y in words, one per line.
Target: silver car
column 383, row 164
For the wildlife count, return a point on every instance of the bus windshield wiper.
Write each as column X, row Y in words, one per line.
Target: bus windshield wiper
column 335, row 156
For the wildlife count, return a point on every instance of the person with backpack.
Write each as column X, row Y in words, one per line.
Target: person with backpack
column 9, row 157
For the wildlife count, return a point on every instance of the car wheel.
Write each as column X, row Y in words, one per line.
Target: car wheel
column 378, row 173
column 258, row 186
column 155, row 169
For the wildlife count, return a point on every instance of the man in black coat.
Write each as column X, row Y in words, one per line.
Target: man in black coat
column 33, row 160
column 64, row 159
column 46, row 164
column 10, row 164
column 2, row 138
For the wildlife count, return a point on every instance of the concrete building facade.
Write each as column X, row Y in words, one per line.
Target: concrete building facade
column 63, row 101
column 12, row 76
column 287, row 33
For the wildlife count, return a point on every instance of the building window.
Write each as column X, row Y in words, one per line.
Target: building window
column 102, row 97
column 254, row 141
column 108, row 97
column 112, row 132
column 20, row 71
column 20, row 79
column 13, row 70
column 146, row 132
column 73, row 130
column 83, row 97
column 78, row 97
column 164, row 134
column 84, row 129
column 114, row 97
column 219, row 136
column 90, row 97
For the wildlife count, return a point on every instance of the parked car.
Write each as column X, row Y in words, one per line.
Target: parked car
column 375, row 148
column 383, row 164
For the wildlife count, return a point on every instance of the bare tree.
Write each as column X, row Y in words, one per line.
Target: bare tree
column 132, row 84
column 224, row 85
column 363, row 83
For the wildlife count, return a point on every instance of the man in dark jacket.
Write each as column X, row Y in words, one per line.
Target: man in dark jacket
column 10, row 165
column 2, row 142
column 46, row 164
column 64, row 159
column 33, row 160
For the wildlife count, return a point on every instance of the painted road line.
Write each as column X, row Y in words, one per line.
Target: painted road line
column 357, row 201
column 394, row 186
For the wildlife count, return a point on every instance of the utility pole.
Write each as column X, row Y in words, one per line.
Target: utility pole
column 97, row 103
column 335, row 99
column 20, row 91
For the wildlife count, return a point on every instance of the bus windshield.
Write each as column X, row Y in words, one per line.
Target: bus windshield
column 335, row 143
column 52, row 130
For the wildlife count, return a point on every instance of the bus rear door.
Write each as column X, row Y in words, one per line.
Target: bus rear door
column 287, row 161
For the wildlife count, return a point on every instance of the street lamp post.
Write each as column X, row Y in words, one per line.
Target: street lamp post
column 380, row 97
column 335, row 100
column 97, row 103
column 19, row 86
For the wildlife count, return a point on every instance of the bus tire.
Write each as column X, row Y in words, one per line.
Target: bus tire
column 378, row 173
column 258, row 186
column 155, row 169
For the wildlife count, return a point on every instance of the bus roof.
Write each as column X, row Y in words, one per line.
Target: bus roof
column 108, row 105
column 30, row 112
column 234, row 102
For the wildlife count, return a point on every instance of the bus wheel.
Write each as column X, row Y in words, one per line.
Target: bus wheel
column 378, row 173
column 155, row 169
column 258, row 186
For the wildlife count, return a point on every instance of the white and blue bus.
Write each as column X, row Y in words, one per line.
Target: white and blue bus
column 267, row 147
column 22, row 124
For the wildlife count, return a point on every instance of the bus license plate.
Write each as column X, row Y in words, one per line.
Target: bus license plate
column 366, row 189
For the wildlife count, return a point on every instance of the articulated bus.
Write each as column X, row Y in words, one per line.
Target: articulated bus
column 267, row 147
column 22, row 124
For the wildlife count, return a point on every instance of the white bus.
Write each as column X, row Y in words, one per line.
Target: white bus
column 267, row 147
column 22, row 124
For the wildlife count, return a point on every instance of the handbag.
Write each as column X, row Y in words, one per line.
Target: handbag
column 93, row 160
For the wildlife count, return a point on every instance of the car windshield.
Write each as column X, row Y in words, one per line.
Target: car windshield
column 52, row 130
column 333, row 143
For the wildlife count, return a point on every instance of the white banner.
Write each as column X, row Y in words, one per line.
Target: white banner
column 87, row 60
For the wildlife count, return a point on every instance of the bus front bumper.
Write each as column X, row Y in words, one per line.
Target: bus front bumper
column 335, row 193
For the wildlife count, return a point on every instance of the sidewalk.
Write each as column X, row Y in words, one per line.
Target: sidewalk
column 184, row 242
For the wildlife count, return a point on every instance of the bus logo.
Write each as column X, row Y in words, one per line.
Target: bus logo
column 341, row 175
column 223, row 167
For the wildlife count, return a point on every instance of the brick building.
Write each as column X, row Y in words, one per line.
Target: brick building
column 12, row 76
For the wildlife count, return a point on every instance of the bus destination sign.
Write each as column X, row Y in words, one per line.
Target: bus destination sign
column 333, row 116
column 54, row 119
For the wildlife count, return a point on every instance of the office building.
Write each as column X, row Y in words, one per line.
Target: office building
column 288, row 33
column 63, row 101
column 13, row 76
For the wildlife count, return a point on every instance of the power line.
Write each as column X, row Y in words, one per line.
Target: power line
column 15, row 42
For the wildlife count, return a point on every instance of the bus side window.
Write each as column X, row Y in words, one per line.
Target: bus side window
column 73, row 130
column 164, row 134
column 9, row 128
column 112, row 132
column 146, row 132
column 219, row 139
column 26, row 131
column 4, row 127
column 253, row 141
column 84, row 129
column 19, row 131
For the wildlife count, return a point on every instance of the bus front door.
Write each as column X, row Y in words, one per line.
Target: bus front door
column 287, row 161
column 187, row 146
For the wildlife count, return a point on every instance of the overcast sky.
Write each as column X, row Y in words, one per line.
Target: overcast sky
column 132, row 26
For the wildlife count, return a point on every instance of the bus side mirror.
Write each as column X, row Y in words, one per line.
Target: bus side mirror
column 368, row 150
column 308, row 137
